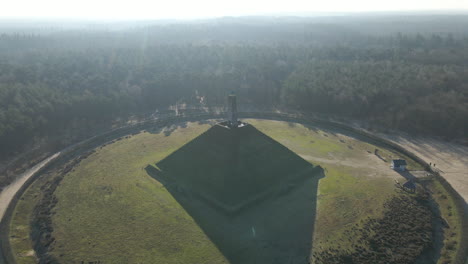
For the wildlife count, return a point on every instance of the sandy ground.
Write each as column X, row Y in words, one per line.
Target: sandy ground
column 451, row 160
column 9, row 192
column 373, row 165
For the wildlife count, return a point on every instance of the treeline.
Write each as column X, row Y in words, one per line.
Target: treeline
column 427, row 99
column 72, row 81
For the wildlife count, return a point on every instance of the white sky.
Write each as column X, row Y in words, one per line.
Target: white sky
column 183, row 9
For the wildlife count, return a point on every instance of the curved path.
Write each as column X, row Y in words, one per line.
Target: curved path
column 451, row 160
column 8, row 194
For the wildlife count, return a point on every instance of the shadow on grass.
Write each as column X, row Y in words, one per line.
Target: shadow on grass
column 167, row 130
column 376, row 153
column 256, row 203
column 278, row 229
column 407, row 175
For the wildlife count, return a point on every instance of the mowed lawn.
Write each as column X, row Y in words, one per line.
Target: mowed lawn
column 110, row 210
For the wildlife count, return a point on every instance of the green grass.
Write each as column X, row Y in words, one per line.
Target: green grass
column 346, row 194
column 20, row 228
column 111, row 210
column 301, row 139
column 345, row 200
column 323, row 143
column 449, row 212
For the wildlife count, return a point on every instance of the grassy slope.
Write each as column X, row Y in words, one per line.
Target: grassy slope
column 452, row 232
column 338, row 207
column 129, row 217
column 20, row 227
column 345, row 197
column 110, row 210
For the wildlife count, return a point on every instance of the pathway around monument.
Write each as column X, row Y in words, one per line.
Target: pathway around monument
column 7, row 195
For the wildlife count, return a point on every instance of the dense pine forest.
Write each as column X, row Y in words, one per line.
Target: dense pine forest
column 403, row 72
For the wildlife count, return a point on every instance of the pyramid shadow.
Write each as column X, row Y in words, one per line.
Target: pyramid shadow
column 254, row 198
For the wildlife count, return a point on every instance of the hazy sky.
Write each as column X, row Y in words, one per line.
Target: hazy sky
column 144, row 9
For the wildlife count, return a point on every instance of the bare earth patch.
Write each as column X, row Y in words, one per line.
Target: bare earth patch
column 30, row 253
column 373, row 166
column 451, row 160
column 9, row 192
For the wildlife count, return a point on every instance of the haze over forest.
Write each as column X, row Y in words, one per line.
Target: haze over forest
column 62, row 81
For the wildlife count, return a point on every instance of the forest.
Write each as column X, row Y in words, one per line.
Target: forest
column 401, row 72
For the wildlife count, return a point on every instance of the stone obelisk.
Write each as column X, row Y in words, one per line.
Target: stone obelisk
column 232, row 110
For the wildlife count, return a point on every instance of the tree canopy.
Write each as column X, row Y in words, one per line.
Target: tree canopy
column 412, row 78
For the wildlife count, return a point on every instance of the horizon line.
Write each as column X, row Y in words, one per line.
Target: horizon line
column 299, row 14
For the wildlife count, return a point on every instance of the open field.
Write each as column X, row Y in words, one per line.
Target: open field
column 357, row 182
column 133, row 216
column 126, row 215
column 109, row 209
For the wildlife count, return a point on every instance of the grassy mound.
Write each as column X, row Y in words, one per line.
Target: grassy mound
column 232, row 168
column 108, row 209
column 256, row 182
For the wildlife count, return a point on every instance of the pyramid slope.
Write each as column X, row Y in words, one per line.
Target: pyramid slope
column 231, row 168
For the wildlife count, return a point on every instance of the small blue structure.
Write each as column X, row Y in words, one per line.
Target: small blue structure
column 399, row 164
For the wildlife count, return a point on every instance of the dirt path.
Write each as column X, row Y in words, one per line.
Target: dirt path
column 9, row 192
column 450, row 159
column 371, row 164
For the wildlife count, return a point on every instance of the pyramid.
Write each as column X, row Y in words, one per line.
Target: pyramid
column 232, row 168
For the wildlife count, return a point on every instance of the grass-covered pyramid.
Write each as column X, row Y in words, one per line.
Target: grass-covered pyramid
column 231, row 168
